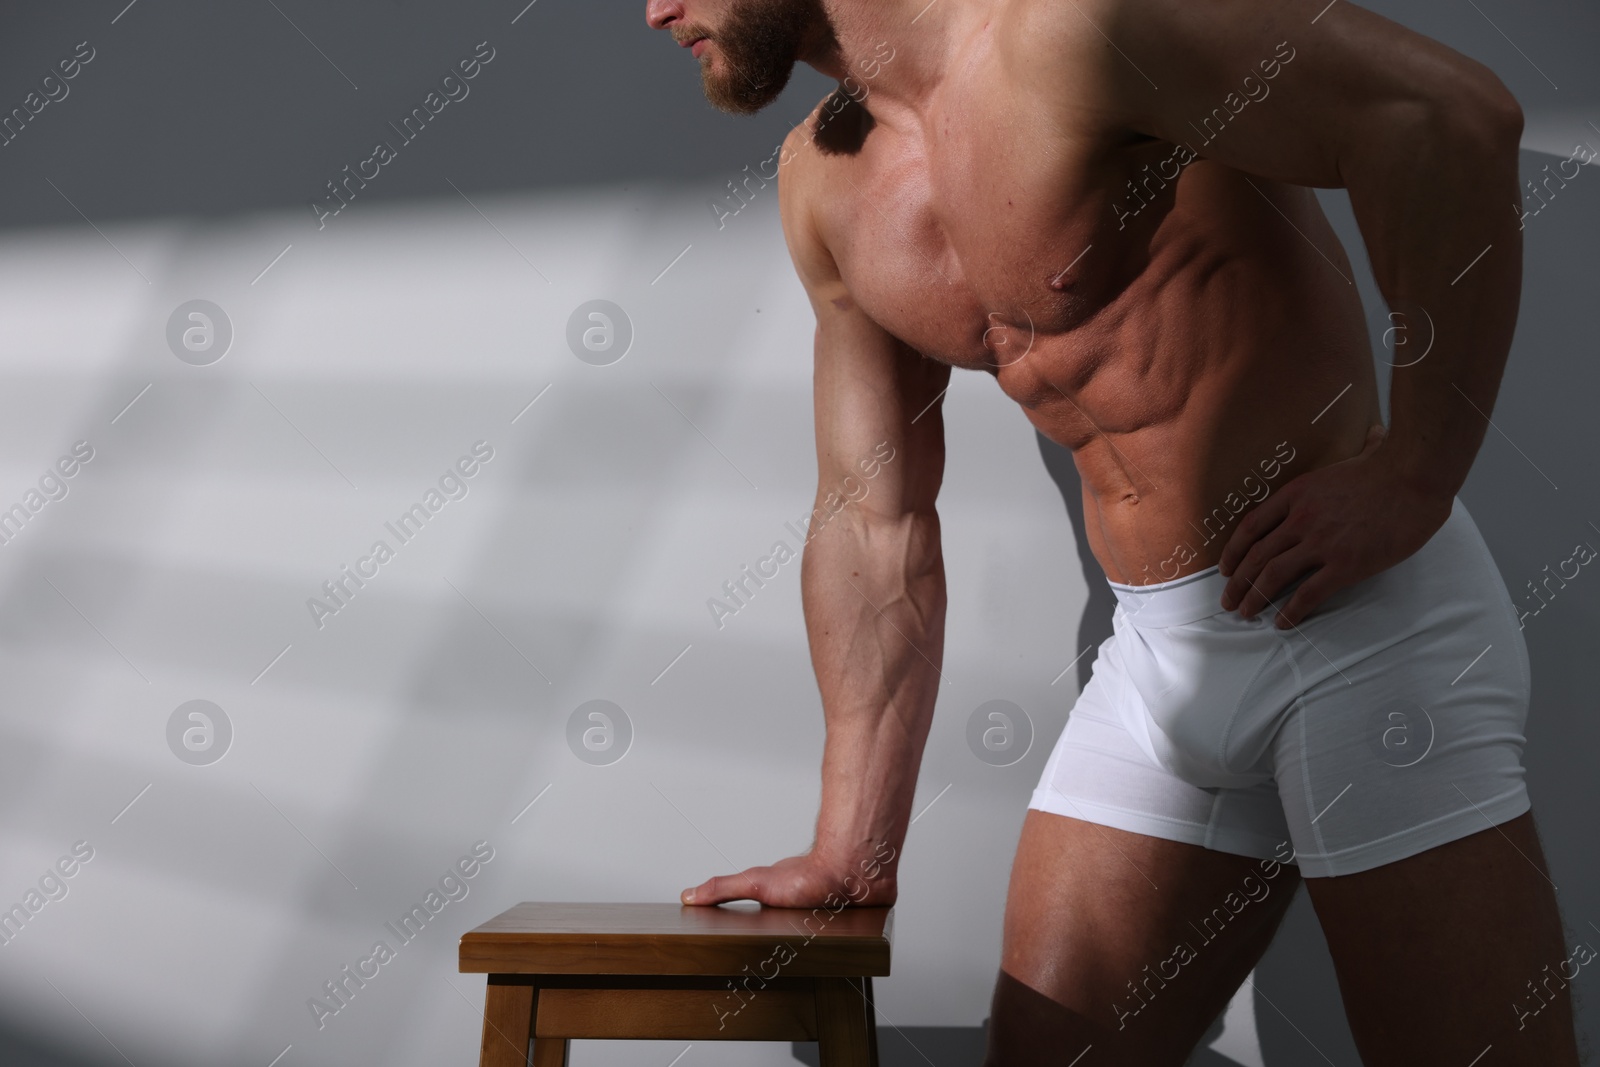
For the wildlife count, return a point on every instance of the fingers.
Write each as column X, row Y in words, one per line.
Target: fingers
column 796, row 882
column 1311, row 592
column 718, row 890
column 1262, row 518
column 721, row 889
column 1245, row 578
column 1274, row 578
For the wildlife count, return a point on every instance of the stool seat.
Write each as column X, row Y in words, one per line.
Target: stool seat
column 743, row 971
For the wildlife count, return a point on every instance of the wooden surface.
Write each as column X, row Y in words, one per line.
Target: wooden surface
column 845, row 1033
column 507, row 1023
column 541, row 937
column 784, row 1010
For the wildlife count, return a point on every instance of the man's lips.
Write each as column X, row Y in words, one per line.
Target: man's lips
column 697, row 46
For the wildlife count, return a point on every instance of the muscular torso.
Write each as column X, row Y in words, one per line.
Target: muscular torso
column 1194, row 353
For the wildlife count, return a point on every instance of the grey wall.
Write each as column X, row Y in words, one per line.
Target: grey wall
column 206, row 109
column 432, row 711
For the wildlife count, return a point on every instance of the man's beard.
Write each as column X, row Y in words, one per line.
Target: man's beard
column 759, row 44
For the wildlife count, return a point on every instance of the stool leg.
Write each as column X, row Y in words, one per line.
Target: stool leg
column 845, row 1036
column 550, row 1052
column 872, row 1022
column 507, row 1022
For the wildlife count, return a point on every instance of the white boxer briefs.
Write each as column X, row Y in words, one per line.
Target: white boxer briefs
column 1390, row 721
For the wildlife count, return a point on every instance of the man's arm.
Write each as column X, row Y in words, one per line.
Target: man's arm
column 1425, row 141
column 872, row 584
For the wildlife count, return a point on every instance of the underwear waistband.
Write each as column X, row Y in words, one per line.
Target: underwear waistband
column 1182, row 600
column 1199, row 595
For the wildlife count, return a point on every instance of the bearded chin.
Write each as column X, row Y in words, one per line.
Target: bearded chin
column 740, row 90
column 759, row 46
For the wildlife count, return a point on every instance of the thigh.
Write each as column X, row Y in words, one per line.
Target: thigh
column 1454, row 953
column 1405, row 716
column 1128, row 943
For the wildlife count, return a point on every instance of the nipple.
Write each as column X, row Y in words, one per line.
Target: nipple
column 1057, row 283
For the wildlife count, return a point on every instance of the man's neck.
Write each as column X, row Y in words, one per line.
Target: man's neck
column 898, row 50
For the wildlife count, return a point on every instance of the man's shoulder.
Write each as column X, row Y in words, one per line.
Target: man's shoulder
column 796, row 177
column 803, row 175
column 1070, row 48
column 836, row 126
column 835, row 130
column 1052, row 24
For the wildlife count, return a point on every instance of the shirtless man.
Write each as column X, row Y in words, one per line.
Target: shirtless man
column 1106, row 205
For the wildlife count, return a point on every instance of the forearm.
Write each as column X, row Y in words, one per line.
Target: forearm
column 874, row 596
column 1438, row 211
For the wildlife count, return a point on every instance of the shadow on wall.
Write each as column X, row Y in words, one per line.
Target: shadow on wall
column 575, row 94
column 21, row 1049
column 963, row 1046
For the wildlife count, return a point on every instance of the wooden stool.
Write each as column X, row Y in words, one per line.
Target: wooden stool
column 731, row 972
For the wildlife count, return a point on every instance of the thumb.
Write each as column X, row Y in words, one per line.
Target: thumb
column 1375, row 434
column 722, row 889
